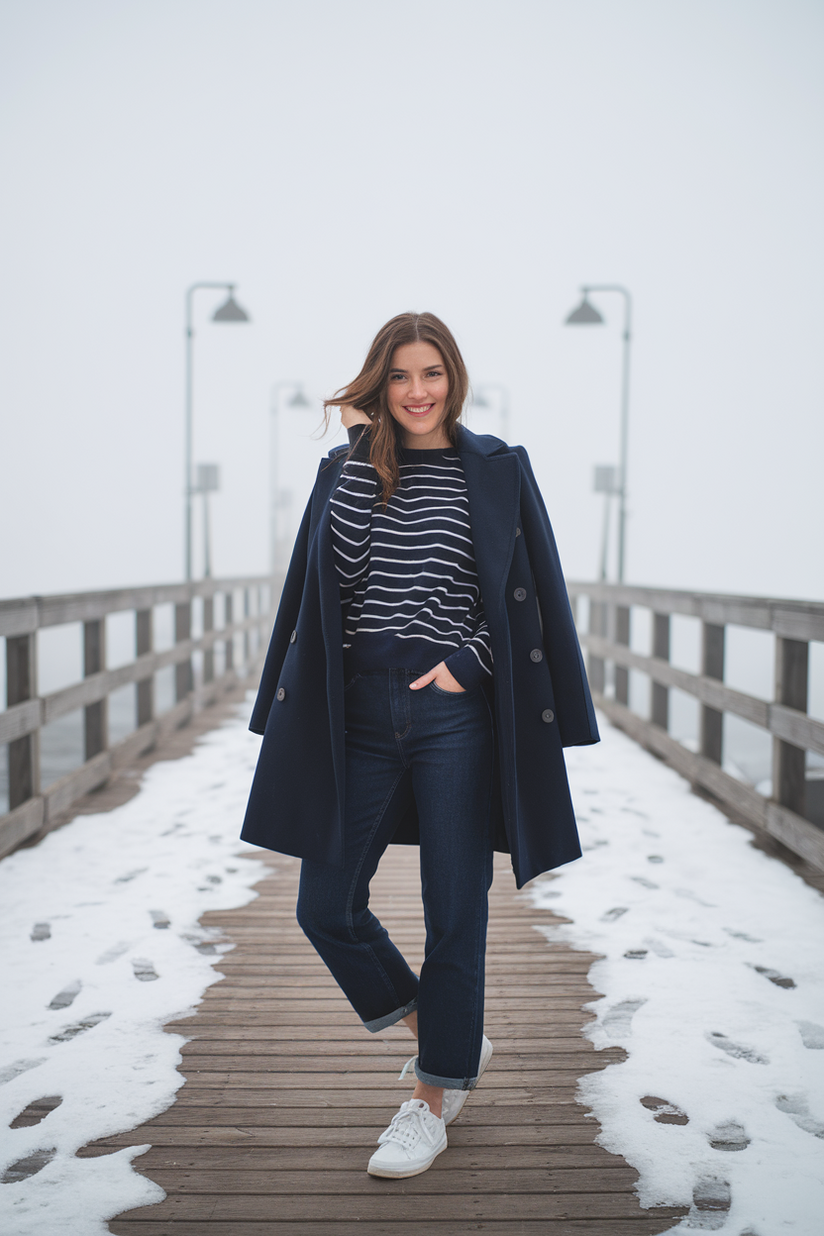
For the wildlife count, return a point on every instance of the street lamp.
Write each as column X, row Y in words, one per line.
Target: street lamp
column 279, row 497
column 587, row 315
column 229, row 311
column 480, row 400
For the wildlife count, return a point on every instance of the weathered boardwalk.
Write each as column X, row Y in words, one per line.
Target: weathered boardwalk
column 286, row 1093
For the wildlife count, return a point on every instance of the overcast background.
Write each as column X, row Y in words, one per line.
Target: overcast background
column 343, row 162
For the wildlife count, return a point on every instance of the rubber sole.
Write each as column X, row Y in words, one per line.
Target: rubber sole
column 401, row 1173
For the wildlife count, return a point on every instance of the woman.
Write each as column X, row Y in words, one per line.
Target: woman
column 423, row 675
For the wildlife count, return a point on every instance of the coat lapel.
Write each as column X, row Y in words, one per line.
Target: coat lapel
column 493, row 488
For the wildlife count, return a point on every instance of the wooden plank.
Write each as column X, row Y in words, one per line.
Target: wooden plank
column 350, row 1158
column 274, row 1180
column 386, row 1204
column 19, row 825
column 644, row 1225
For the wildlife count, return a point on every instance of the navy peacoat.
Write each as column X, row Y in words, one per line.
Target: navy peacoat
column 539, row 694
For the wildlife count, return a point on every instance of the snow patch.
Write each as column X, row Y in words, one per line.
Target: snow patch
column 101, row 946
column 712, row 983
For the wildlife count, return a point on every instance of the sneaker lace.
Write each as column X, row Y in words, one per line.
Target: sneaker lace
column 408, row 1126
column 409, row 1064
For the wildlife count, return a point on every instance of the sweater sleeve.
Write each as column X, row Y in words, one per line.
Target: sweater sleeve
column 472, row 662
column 351, row 511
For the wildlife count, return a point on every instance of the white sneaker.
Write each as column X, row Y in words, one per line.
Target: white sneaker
column 453, row 1100
column 411, row 1144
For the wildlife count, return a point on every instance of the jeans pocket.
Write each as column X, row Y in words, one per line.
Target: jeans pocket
column 450, row 694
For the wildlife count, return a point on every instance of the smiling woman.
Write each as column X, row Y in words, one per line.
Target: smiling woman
column 425, row 562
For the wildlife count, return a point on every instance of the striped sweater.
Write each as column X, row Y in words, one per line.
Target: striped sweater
column 408, row 583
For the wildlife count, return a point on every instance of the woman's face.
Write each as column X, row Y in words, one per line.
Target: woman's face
column 417, row 392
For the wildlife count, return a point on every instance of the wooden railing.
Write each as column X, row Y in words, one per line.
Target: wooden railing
column 248, row 605
column 788, row 815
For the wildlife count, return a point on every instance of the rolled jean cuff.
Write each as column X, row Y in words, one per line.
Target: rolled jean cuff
column 380, row 1023
column 446, row 1083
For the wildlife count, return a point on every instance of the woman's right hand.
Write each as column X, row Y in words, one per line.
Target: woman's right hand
column 350, row 416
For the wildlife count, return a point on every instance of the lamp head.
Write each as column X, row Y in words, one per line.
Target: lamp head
column 585, row 315
column 230, row 310
column 299, row 400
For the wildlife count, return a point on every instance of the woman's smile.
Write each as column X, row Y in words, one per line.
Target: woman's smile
column 417, row 392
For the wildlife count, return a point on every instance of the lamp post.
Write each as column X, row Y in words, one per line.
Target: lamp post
column 229, row 311
column 480, row 400
column 587, row 315
column 276, row 494
column 208, row 482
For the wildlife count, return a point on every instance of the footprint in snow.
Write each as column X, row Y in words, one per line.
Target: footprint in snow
column 737, row 1050
column 40, row 931
column 655, row 858
column 644, row 882
column 664, row 1111
column 618, row 1020
column 36, row 1111
column 812, row 1035
column 13, row 1070
column 130, row 875
column 691, row 896
column 613, row 914
column 144, row 969
column 729, row 1136
column 711, row 1201
column 67, row 996
column 742, row 935
column 112, row 954
column 796, row 1107
column 659, row 949
column 79, row 1027
column 635, row 954
column 780, row 980
column 160, row 919
column 30, row 1166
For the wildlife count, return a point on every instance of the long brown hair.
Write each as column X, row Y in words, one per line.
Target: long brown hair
column 368, row 390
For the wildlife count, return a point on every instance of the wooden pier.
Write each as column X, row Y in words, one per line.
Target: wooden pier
column 286, row 1093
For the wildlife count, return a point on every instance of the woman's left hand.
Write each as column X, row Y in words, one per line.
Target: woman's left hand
column 441, row 677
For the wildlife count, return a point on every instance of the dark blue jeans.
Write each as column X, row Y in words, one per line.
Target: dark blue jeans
column 437, row 747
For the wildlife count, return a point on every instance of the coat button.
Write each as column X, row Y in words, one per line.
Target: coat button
column 520, row 594
column 282, row 694
column 547, row 715
column 293, row 637
column 536, row 655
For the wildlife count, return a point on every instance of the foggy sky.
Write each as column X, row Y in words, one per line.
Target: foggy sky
column 343, row 162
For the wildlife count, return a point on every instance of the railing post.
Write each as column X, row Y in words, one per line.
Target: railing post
column 597, row 626
column 622, row 615
column 183, row 632
column 790, row 762
column 712, row 666
column 145, row 686
column 95, row 716
column 247, row 610
column 661, row 650
column 208, row 625
column 229, row 645
column 21, row 685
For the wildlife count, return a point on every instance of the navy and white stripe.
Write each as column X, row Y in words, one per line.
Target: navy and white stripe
column 408, row 583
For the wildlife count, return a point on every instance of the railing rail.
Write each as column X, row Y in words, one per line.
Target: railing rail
column 788, row 815
column 32, row 811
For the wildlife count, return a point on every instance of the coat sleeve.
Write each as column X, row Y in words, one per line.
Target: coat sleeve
column 576, row 714
column 285, row 623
